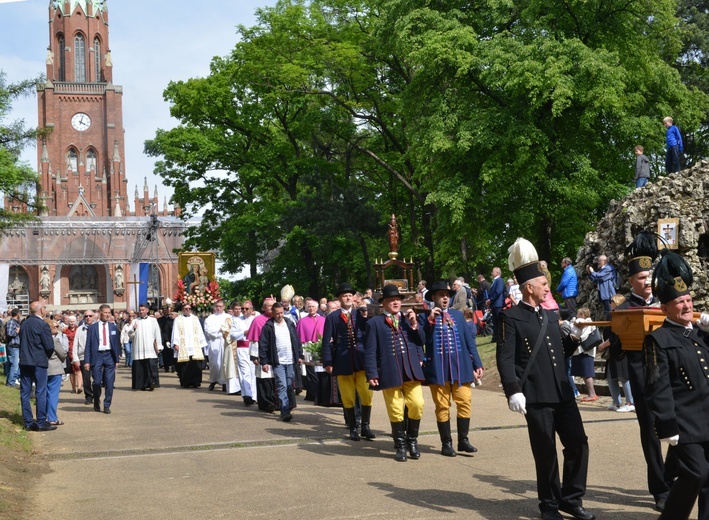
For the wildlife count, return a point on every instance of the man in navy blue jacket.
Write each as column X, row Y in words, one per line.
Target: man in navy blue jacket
column 36, row 346
column 393, row 355
column 496, row 300
column 450, row 365
column 103, row 350
column 343, row 357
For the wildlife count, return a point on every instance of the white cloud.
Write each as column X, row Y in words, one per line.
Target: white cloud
column 152, row 43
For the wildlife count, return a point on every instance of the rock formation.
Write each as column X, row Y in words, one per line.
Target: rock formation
column 679, row 195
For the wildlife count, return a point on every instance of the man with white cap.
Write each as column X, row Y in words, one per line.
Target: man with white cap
column 530, row 359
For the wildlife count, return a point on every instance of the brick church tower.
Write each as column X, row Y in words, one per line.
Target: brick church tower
column 81, row 160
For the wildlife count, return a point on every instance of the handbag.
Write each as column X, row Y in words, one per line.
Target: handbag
column 593, row 340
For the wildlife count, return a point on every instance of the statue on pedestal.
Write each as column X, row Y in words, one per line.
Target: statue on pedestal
column 393, row 238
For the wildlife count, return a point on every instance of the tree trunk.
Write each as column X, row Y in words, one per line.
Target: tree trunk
column 426, row 217
column 367, row 263
column 543, row 245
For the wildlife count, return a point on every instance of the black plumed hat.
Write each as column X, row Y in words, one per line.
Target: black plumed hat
column 642, row 252
column 672, row 277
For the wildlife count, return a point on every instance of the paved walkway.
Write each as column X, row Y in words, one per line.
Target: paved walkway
column 177, row 453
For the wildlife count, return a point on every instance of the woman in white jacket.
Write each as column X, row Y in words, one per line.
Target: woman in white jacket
column 127, row 335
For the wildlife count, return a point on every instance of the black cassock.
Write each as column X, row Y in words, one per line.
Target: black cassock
column 190, row 373
column 144, row 373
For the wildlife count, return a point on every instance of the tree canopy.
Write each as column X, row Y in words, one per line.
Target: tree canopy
column 18, row 180
column 474, row 122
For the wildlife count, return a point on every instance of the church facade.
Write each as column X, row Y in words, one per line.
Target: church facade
column 87, row 247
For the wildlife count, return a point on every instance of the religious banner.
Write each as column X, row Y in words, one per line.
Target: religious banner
column 197, row 284
column 668, row 229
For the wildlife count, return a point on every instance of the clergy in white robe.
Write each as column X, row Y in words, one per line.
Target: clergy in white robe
column 188, row 342
column 147, row 345
column 222, row 368
column 245, row 368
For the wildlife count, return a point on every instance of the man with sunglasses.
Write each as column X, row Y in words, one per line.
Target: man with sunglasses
column 77, row 358
column 189, row 342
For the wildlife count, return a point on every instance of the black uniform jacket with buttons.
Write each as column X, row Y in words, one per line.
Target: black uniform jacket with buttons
column 677, row 382
column 547, row 382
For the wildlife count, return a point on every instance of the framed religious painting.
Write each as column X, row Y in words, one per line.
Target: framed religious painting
column 668, row 230
column 196, row 270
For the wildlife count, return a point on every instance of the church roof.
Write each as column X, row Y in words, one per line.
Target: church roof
column 97, row 5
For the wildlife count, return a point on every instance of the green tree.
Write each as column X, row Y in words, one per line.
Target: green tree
column 18, row 180
column 474, row 123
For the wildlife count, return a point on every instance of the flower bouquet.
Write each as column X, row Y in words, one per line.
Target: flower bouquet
column 312, row 350
column 201, row 300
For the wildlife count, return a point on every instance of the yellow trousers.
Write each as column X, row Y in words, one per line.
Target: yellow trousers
column 461, row 394
column 410, row 394
column 355, row 382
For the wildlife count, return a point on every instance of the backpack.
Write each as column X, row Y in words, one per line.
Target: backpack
column 617, row 282
column 469, row 296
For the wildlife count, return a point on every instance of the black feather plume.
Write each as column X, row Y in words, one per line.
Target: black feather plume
column 644, row 244
column 670, row 266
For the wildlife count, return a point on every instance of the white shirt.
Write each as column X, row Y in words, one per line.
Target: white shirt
column 283, row 343
column 104, row 336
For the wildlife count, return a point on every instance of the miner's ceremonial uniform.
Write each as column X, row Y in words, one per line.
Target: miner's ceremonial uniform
column 676, row 361
column 660, row 473
column 451, row 356
column 678, row 398
column 530, row 360
column 343, row 350
column 393, row 355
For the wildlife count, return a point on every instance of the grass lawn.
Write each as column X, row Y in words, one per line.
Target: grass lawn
column 12, row 432
column 19, row 471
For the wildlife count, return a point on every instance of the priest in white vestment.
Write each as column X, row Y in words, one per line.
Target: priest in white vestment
column 188, row 342
column 245, row 368
column 222, row 368
column 147, row 345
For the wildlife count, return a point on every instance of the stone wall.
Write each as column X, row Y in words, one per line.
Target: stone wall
column 680, row 195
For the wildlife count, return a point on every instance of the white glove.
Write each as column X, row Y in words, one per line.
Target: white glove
column 704, row 322
column 518, row 403
column 672, row 441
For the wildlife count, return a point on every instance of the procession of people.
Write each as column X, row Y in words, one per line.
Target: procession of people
column 404, row 347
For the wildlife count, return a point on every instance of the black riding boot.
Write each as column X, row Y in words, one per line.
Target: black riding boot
column 463, row 442
column 412, row 435
column 444, row 430
column 399, row 434
column 366, row 415
column 351, row 423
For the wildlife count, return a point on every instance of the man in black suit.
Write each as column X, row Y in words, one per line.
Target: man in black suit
column 36, row 346
column 530, row 359
column 677, row 387
column 103, row 350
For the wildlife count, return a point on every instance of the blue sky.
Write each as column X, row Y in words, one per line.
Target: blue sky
column 152, row 43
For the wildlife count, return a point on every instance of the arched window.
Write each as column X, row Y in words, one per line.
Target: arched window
column 91, row 160
column 72, row 160
column 61, row 45
column 97, row 60
column 80, row 58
